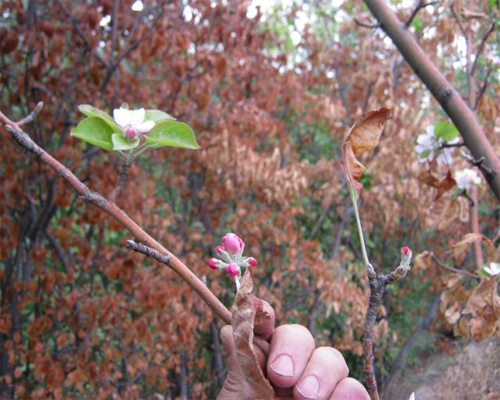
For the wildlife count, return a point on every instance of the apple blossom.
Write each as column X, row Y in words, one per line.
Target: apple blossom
column 132, row 122
column 428, row 147
column 232, row 243
column 252, row 262
column 233, row 270
column 213, row 263
column 466, row 178
column 229, row 257
column 493, row 269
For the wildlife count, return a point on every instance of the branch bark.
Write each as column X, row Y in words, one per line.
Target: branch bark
column 451, row 102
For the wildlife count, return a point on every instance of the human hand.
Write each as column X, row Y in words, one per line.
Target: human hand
column 295, row 367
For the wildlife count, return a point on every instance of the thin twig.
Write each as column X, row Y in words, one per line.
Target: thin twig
column 32, row 115
column 481, row 47
column 483, row 88
column 448, row 145
column 122, row 178
column 420, row 5
column 455, row 270
column 365, row 25
column 462, row 29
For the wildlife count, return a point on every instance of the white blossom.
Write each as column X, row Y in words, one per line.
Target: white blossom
column 493, row 269
column 425, row 144
column 132, row 122
column 466, row 178
column 412, row 397
column 429, row 147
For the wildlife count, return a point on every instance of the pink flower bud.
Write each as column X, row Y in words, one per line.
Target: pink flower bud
column 232, row 269
column 213, row 263
column 232, row 242
column 219, row 250
column 130, row 132
column 405, row 250
column 252, row 262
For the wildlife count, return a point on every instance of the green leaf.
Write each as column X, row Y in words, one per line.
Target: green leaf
column 418, row 24
column 94, row 131
column 446, row 131
column 173, row 134
column 157, row 116
column 90, row 111
column 120, row 142
column 424, row 154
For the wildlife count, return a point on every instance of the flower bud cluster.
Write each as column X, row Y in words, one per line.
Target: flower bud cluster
column 229, row 256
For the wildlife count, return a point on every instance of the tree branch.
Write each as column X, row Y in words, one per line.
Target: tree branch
column 115, row 212
column 458, row 111
column 481, row 47
column 365, row 25
column 420, row 5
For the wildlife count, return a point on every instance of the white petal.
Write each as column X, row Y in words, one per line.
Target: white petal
column 412, row 397
column 121, row 116
column 137, row 117
column 146, row 126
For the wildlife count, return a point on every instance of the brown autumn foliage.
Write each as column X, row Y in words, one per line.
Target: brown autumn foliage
column 82, row 317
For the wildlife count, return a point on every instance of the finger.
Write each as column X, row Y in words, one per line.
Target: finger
column 325, row 369
column 266, row 327
column 350, row 389
column 291, row 347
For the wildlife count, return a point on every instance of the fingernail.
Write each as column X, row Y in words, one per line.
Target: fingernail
column 309, row 387
column 283, row 365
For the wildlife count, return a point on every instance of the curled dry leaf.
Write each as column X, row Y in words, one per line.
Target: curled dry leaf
column 484, row 305
column 492, row 253
column 248, row 310
column 442, row 185
column 363, row 136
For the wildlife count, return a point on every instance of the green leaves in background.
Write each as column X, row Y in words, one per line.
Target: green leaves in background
column 446, row 131
column 172, row 133
column 418, row 24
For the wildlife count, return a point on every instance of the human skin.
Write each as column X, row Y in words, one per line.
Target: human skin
column 295, row 366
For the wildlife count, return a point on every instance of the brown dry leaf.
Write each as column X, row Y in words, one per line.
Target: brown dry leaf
column 484, row 305
column 246, row 311
column 365, row 133
column 429, row 178
column 461, row 246
column 355, row 167
column 363, row 136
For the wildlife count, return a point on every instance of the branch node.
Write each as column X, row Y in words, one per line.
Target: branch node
column 25, row 141
column 148, row 251
column 94, row 198
column 446, row 96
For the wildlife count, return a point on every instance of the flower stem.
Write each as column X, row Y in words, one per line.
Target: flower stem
column 369, row 268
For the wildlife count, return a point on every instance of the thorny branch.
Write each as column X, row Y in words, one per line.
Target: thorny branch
column 96, row 199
